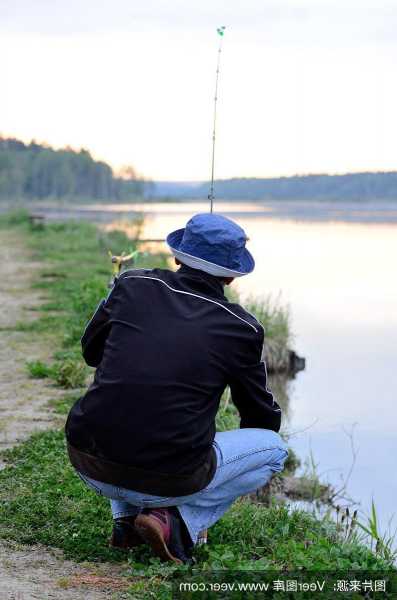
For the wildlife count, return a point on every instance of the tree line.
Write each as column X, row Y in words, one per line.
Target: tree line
column 350, row 186
column 37, row 171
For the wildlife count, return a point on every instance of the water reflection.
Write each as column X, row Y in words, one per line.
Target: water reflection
column 339, row 280
column 280, row 385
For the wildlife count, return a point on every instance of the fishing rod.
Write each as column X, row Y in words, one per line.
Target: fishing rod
column 119, row 261
column 220, row 31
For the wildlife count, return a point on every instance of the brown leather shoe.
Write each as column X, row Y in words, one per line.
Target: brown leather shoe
column 124, row 534
column 162, row 531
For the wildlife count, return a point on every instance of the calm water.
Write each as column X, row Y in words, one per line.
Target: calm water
column 339, row 279
column 340, row 282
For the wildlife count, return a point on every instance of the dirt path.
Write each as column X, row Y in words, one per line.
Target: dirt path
column 33, row 572
column 23, row 401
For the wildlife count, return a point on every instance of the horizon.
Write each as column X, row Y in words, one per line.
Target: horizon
column 44, row 143
column 303, row 89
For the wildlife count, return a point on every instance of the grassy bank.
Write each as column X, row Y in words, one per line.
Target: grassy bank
column 41, row 498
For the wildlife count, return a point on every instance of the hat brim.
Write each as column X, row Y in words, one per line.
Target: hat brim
column 174, row 240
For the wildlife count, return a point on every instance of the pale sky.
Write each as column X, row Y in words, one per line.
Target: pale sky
column 305, row 85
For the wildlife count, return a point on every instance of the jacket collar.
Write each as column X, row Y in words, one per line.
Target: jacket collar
column 202, row 282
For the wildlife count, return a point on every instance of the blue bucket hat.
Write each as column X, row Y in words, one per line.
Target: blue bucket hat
column 213, row 244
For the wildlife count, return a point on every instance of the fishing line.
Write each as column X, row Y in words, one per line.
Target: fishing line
column 220, row 31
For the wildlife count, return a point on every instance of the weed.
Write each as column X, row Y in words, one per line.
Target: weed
column 63, row 404
column 274, row 316
column 292, row 463
column 45, row 323
column 38, row 370
column 70, row 373
column 383, row 544
column 312, row 488
column 18, row 216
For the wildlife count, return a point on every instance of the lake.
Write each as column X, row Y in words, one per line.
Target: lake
column 335, row 266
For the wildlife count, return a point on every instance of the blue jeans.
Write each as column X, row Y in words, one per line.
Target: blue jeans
column 246, row 460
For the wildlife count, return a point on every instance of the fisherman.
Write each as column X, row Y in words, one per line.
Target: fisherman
column 165, row 345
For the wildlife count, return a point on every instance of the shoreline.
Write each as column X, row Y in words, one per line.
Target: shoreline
column 63, row 251
column 364, row 212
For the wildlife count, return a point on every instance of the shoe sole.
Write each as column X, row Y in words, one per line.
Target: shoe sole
column 152, row 533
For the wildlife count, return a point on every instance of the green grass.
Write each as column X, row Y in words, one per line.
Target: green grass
column 75, row 274
column 274, row 315
column 68, row 373
column 42, row 499
column 62, row 404
column 37, row 369
column 18, row 216
column 383, row 543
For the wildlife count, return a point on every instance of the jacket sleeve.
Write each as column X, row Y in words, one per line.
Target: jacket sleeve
column 250, row 395
column 97, row 331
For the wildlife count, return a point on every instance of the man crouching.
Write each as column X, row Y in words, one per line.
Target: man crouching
column 165, row 345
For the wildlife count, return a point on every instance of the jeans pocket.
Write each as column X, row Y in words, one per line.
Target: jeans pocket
column 218, row 454
column 89, row 483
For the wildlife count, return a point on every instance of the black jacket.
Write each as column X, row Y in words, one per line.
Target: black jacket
column 165, row 344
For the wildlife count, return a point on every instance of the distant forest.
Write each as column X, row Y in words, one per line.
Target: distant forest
column 37, row 171
column 352, row 186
